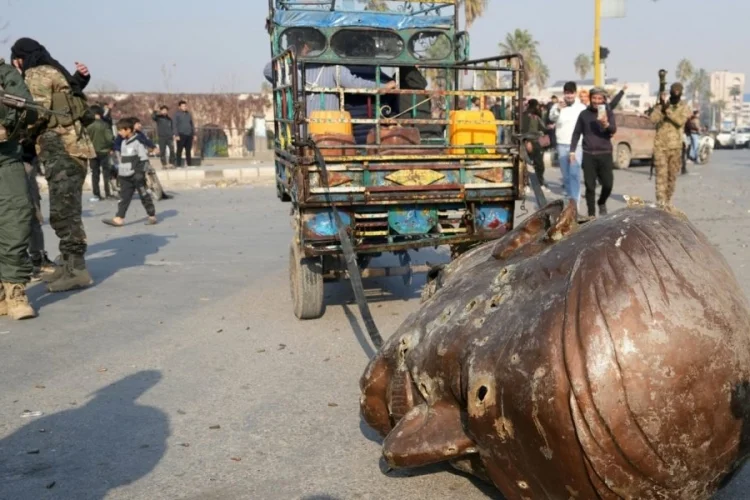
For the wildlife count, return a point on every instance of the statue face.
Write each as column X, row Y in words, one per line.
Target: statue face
column 556, row 355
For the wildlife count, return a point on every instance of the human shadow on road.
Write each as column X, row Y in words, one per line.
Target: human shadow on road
column 119, row 253
column 86, row 452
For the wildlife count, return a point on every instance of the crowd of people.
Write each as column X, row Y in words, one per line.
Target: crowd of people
column 579, row 129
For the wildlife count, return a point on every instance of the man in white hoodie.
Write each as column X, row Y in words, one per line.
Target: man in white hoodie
column 565, row 115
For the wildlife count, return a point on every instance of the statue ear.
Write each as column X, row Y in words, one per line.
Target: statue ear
column 531, row 231
column 427, row 435
column 565, row 224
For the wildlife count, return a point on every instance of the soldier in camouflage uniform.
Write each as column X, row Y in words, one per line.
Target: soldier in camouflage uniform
column 64, row 149
column 670, row 118
column 16, row 208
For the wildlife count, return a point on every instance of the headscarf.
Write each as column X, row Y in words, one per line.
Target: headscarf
column 34, row 54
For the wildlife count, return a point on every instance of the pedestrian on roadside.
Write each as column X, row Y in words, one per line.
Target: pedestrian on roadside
column 183, row 131
column 693, row 131
column 138, row 132
column 164, row 131
column 103, row 140
column 107, row 114
column 132, row 174
column 565, row 117
column 596, row 124
column 533, row 125
column 584, row 97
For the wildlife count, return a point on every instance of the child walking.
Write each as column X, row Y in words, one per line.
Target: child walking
column 131, row 173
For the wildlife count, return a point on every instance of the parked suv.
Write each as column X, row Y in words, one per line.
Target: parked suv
column 634, row 139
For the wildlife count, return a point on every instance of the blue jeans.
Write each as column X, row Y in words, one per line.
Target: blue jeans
column 694, row 140
column 571, row 173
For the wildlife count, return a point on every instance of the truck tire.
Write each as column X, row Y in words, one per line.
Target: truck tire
column 306, row 283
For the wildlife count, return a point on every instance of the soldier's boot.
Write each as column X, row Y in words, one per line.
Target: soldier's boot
column 58, row 271
column 16, row 301
column 75, row 276
column 3, row 302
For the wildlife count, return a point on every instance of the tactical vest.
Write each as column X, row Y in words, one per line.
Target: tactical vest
column 75, row 107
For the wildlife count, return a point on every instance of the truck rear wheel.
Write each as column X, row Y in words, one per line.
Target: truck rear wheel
column 306, row 282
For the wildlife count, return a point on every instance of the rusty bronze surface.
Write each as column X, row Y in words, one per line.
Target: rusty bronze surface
column 610, row 360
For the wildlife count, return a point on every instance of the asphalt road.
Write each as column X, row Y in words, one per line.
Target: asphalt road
column 182, row 373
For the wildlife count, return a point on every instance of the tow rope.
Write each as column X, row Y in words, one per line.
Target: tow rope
column 355, row 277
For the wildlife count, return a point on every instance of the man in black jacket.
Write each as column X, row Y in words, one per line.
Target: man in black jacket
column 597, row 126
column 164, row 130
column 184, row 130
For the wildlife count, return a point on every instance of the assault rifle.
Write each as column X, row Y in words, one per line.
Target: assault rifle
column 17, row 102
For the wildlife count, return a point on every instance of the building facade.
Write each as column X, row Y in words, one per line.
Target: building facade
column 722, row 83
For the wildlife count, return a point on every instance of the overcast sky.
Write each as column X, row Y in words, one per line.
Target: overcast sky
column 221, row 45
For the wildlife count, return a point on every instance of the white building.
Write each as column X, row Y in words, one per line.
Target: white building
column 637, row 96
column 722, row 83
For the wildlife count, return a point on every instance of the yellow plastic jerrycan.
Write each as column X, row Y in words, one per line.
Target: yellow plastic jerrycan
column 330, row 122
column 472, row 128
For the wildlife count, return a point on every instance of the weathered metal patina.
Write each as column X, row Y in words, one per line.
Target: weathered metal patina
column 606, row 361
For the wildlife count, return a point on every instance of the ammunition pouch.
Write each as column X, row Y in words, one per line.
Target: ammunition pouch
column 75, row 107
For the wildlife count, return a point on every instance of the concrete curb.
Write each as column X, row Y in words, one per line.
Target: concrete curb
column 197, row 177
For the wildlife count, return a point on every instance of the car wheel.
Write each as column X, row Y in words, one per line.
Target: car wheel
column 623, row 156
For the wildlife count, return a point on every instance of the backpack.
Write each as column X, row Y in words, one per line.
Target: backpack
column 75, row 105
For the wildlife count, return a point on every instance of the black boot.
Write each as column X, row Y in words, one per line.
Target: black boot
column 602, row 209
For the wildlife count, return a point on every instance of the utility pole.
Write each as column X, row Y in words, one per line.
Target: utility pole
column 597, row 42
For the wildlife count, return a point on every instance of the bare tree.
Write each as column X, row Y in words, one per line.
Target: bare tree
column 166, row 72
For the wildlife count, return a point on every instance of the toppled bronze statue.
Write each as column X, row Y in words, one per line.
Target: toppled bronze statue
column 606, row 361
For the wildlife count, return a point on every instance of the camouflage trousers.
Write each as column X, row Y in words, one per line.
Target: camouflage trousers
column 65, row 175
column 16, row 212
column 667, row 163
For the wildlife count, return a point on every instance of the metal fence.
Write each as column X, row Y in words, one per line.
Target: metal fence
column 215, row 142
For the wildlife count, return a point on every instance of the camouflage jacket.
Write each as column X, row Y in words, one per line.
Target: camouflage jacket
column 670, row 125
column 43, row 81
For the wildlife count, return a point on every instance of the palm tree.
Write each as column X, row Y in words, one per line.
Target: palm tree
column 735, row 92
column 685, row 71
column 542, row 75
column 582, row 65
column 720, row 107
column 473, row 9
column 522, row 42
column 375, row 5
column 699, row 87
